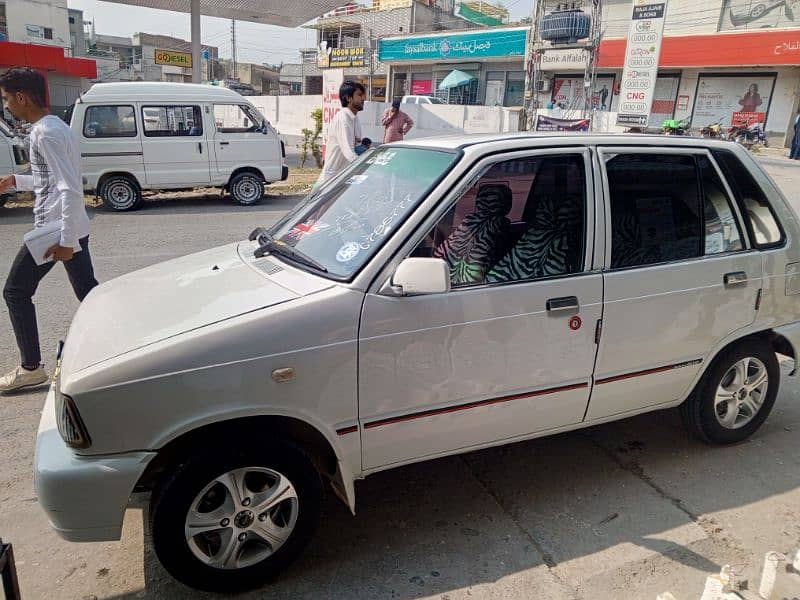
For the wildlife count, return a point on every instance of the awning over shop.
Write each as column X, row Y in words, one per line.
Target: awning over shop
column 455, row 78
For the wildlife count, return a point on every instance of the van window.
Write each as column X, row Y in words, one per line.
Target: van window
column 109, row 122
column 172, row 121
column 236, row 118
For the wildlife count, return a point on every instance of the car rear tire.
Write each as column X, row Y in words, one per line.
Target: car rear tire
column 247, row 188
column 735, row 395
column 231, row 521
column 120, row 193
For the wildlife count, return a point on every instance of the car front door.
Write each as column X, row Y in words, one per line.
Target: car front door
column 240, row 140
column 509, row 350
column 680, row 277
column 174, row 146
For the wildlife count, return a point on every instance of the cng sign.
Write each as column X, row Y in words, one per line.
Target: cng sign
column 173, row 58
column 641, row 62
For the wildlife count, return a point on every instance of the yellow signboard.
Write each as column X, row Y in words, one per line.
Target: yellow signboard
column 173, row 58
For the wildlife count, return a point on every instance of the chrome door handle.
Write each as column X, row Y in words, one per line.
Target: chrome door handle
column 561, row 304
column 737, row 278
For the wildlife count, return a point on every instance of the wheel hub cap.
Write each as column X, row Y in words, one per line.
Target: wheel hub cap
column 244, row 519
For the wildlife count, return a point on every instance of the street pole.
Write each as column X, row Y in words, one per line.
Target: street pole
column 532, row 69
column 233, row 49
column 197, row 73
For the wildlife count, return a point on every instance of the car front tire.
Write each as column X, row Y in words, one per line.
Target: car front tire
column 231, row 522
column 735, row 395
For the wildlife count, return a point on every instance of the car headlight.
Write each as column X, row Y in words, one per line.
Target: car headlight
column 70, row 425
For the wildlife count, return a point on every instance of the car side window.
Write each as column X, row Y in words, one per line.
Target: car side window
column 764, row 228
column 522, row 220
column 172, row 121
column 656, row 211
column 109, row 122
column 722, row 233
column 235, row 118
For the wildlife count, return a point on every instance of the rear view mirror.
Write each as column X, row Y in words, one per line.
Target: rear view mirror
column 420, row 276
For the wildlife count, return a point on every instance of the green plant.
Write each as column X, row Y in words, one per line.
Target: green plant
column 305, row 145
column 316, row 114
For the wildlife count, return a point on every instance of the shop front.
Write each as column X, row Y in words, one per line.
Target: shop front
column 492, row 61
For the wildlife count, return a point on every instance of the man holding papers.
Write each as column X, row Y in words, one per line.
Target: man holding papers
column 61, row 231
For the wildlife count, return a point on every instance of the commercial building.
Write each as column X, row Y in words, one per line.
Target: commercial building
column 37, row 34
column 718, row 58
column 348, row 38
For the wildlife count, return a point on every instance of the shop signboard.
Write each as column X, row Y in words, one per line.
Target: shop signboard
column 759, row 14
column 564, row 60
column 504, row 42
column 347, row 57
column 641, row 63
column 569, row 91
column 730, row 100
column 173, row 58
column 332, row 80
column 544, row 123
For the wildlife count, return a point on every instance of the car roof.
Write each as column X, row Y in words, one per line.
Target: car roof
column 159, row 91
column 544, row 140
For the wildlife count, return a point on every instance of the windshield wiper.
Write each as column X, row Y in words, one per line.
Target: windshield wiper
column 267, row 243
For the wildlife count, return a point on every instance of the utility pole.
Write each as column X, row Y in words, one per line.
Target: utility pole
column 233, row 49
column 590, row 48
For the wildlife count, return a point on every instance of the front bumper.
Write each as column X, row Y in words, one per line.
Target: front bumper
column 84, row 497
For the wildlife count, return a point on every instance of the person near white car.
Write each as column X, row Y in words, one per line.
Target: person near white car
column 56, row 180
column 344, row 132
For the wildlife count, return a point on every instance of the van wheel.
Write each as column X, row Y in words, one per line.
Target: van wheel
column 247, row 188
column 121, row 193
column 4, row 199
column 736, row 394
column 231, row 521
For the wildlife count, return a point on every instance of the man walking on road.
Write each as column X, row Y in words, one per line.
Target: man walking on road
column 396, row 123
column 344, row 132
column 56, row 180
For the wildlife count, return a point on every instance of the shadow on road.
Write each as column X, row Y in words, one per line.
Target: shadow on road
column 460, row 522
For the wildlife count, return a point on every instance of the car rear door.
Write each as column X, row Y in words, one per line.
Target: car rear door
column 680, row 278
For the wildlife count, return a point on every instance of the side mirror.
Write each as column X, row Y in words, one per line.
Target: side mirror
column 420, row 276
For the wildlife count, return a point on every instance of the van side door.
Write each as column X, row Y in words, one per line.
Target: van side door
column 174, row 145
column 242, row 139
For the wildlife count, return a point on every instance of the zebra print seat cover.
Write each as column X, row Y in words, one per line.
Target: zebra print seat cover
column 545, row 249
column 474, row 246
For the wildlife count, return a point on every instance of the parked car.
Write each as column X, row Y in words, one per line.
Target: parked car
column 161, row 136
column 432, row 299
column 13, row 156
column 422, row 100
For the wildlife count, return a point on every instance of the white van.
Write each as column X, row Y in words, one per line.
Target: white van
column 13, row 156
column 160, row 136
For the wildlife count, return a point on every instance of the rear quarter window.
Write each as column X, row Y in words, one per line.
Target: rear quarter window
column 759, row 216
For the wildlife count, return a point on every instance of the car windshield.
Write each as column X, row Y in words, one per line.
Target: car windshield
column 343, row 224
column 436, row 100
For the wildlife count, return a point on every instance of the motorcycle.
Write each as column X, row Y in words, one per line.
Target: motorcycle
column 748, row 135
column 674, row 127
column 713, row 131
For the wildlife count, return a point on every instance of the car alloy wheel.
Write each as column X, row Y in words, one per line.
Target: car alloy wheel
column 241, row 517
column 741, row 393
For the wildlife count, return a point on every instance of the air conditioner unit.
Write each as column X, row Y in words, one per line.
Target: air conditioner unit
column 545, row 85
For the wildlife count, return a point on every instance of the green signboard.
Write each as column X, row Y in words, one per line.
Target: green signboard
column 479, row 44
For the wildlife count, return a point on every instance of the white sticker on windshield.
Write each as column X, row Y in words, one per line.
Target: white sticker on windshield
column 382, row 158
column 357, row 180
column 348, row 252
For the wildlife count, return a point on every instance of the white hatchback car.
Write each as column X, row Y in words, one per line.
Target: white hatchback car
column 436, row 297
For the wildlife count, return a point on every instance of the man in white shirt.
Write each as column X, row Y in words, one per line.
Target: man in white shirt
column 344, row 132
column 56, row 180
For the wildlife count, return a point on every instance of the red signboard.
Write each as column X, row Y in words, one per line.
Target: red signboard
column 763, row 48
column 421, row 87
column 748, row 118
